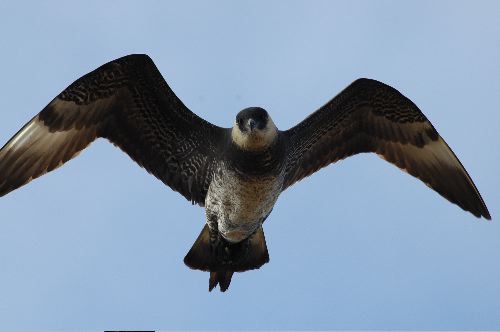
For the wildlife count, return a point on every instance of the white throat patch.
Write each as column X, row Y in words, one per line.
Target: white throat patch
column 257, row 139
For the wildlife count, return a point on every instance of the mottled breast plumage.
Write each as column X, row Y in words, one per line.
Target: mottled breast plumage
column 237, row 205
column 244, row 190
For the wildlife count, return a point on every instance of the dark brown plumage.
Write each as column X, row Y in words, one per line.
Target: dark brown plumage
column 238, row 173
column 128, row 102
column 370, row 116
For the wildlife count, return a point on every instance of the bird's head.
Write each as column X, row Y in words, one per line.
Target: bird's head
column 254, row 129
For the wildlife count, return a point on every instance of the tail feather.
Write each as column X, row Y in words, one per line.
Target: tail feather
column 222, row 277
column 211, row 252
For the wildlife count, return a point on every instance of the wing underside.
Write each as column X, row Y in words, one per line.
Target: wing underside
column 128, row 102
column 369, row 116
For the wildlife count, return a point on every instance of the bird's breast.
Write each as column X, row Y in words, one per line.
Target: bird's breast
column 239, row 203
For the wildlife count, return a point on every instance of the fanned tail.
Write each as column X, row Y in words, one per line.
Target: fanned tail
column 213, row 253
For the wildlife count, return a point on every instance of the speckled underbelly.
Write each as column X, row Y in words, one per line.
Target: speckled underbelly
column 237, row 206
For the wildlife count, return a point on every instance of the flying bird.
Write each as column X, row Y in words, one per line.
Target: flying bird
column 236, row 173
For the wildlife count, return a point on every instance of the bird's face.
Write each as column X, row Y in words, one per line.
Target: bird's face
column 253, row 129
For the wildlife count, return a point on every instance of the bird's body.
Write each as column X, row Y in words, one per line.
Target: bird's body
column 238, row 204
column 236, row 173
column 246, row 185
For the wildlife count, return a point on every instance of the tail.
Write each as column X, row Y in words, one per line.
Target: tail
column 211, row 252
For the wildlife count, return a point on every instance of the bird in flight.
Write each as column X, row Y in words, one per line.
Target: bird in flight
column 236, row 173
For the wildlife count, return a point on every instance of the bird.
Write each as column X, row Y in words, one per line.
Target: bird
column 236, row 173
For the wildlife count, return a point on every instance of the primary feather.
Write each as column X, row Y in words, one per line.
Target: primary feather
column 236, row 173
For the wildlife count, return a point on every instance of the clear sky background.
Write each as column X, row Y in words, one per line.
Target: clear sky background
column 99, row 243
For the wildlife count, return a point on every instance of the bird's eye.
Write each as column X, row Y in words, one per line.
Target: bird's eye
column 239, row 121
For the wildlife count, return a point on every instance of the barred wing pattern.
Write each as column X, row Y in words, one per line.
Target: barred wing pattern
column 128, row 102
column 369, row 116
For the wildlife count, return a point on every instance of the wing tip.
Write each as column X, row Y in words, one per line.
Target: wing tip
column 481, row 213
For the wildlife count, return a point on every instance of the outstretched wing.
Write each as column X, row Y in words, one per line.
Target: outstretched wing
column 128, row 102
column 369, row 116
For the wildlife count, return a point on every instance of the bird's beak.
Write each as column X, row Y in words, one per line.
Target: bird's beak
column 251, row 124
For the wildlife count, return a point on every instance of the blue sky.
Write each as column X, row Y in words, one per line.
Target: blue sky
column 99, row 243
